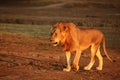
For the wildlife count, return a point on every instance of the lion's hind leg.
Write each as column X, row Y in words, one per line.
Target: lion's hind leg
column 100, row 58
column 94, row 49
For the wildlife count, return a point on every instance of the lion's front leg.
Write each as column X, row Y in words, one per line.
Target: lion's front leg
column 68, row 54
column 76, row 60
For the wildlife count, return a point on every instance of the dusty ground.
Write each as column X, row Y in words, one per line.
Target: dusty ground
column 27, row 58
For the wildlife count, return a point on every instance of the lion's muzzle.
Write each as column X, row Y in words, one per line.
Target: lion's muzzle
column 54, row 43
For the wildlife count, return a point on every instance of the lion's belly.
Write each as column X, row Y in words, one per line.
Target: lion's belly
column 84, row 46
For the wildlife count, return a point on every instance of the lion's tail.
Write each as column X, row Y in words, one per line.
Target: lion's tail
column 104, row 48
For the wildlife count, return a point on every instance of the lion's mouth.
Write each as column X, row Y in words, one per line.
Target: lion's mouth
column 55, row 44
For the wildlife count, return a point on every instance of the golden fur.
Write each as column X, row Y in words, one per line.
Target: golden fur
column 72, row 39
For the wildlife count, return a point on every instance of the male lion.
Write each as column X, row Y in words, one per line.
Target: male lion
column 72, row 39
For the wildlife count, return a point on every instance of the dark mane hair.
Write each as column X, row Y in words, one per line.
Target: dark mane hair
column 70, row 38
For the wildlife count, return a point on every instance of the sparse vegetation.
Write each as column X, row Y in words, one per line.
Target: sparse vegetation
column 41, row 31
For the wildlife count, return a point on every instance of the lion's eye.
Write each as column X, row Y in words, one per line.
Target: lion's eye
column 55, row 34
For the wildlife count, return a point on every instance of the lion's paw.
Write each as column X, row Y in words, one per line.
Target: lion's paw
column 86, row 68
column 67, row 69
column 98, row 68
column 76, row 68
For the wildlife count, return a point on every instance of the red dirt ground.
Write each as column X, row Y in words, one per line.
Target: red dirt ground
column 28, row 58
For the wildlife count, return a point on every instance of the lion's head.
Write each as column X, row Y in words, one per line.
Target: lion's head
column 58, row 34
column 63, row 33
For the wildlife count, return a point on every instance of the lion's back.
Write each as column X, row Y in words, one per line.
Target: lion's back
column 87, row 36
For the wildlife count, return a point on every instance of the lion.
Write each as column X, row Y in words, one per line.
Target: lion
column 74, row 39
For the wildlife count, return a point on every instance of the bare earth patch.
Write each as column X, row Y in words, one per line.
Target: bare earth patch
column 28, row 58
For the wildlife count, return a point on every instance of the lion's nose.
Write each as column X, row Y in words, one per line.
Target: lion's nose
column 51, row 40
